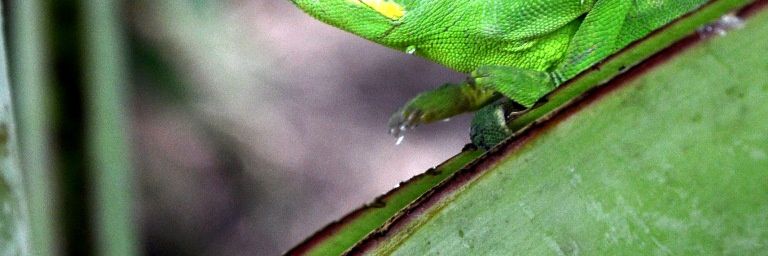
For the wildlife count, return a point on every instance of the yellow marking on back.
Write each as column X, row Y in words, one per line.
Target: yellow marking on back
column 387, row 8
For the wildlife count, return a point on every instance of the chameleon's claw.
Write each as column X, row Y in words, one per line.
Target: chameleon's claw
column 413, row 117
column 404, row 120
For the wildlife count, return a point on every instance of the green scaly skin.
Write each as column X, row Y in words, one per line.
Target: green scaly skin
column 520, row 49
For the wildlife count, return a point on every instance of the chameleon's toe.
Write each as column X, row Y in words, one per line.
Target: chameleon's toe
column 403, row 120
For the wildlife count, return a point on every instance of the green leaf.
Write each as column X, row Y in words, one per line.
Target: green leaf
column 670, row 159
column 339, row 236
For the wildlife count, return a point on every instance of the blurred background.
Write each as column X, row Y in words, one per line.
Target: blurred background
column 197, row 127
column 254, row 125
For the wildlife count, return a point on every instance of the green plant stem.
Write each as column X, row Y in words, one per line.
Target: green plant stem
column 107, row 126
column 14, row 217
column 31, row 81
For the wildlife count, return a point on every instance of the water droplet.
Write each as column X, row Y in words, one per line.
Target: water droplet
column 721, row 26
column 446, row 120
column 411, row 49
column 399, row 139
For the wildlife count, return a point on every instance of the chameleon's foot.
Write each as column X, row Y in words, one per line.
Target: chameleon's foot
column 489, row 126
column 439, row 104
column 523, row 89
column 405, row 119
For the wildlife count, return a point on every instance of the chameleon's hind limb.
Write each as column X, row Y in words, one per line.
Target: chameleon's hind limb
column 444, row 102
column 594, row 40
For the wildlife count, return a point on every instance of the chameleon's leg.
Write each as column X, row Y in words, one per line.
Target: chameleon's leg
column 595, row 39
column 523, row 86
column 438, row 104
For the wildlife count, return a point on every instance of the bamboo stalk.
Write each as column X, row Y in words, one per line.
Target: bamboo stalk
column 106, row 125
column 31, row 81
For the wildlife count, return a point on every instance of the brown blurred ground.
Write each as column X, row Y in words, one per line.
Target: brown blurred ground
column 276, row 124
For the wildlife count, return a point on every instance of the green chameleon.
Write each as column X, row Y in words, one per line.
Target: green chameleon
column 515, row 51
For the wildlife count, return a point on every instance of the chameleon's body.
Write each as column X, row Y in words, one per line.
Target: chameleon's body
column 521, row 49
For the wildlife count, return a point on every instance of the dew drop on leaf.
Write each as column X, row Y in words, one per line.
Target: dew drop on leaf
column 721, row 26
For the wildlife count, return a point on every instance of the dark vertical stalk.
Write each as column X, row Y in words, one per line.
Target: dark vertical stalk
column 31, row 80
column 107, row 150
column 69, row 76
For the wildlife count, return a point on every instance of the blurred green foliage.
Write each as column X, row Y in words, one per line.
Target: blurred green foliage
column 14, row 221
column 71, row 107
